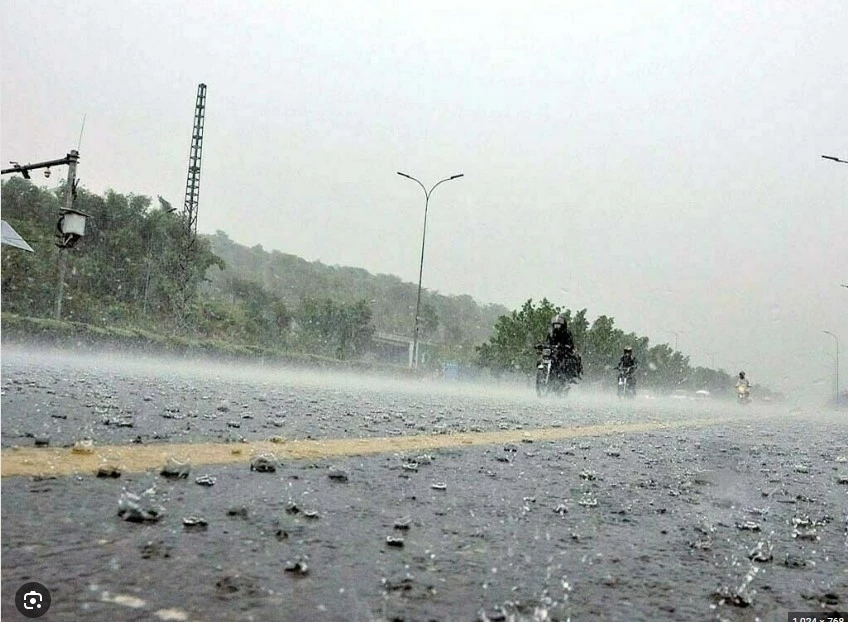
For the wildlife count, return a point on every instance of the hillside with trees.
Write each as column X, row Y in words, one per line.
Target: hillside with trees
column 457, row 323
column 123, row 273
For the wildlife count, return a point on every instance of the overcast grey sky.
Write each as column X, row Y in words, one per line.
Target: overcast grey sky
column 658, row 162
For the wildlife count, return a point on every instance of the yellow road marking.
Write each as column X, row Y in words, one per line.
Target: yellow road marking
column 137, row 458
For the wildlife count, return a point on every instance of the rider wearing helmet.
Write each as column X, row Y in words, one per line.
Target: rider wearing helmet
column 562, row 341
column 627, row 365
column 742, row 381
column 559, row 335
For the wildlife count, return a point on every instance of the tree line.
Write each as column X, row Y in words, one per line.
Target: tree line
column 661, row 368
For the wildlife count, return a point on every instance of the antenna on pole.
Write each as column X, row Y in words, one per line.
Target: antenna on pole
column 79, row 144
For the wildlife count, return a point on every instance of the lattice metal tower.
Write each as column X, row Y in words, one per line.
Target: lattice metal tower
column 188, row 275
column 192, row 192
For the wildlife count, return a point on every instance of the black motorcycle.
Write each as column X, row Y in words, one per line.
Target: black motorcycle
column 557, row 369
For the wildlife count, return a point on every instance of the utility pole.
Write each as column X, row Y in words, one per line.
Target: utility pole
column 676, row 335
column 68, row 232
column 73, row 158
column 827, row 332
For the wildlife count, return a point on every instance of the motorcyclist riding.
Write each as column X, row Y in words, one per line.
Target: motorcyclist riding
column 561, row 341
column 743, row 388
column 627, row 365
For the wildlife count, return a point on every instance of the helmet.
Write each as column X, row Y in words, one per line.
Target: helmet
column 559, row 318
column 741, row 374
column 628, row 350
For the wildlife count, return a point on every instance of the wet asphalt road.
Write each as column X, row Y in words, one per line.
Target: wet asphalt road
column 740, row 520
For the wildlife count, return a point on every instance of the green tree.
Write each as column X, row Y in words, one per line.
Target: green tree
column 267, row 318
column 601, row 349
column 512, row 346
column 121, row 272
column 341, row 329
column 354, row 330
column 29, row 279
column 428, row 320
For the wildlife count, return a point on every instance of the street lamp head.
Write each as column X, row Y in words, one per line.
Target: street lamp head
column 457, row 176
column 404, row 175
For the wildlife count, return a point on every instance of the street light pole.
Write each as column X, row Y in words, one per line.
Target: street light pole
column 837, row 364
column 675, row 333
column 427, row 194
